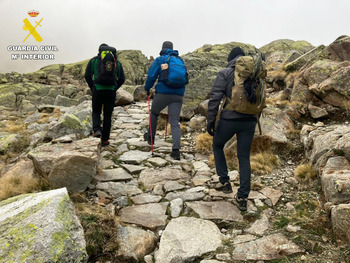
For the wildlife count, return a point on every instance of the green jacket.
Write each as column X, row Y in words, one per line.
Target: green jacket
column 91, row 75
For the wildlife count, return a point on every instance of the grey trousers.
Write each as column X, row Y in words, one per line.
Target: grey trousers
column 174, row 103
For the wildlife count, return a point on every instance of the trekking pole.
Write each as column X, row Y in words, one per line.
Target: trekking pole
column 166, row 125
column 150, row 124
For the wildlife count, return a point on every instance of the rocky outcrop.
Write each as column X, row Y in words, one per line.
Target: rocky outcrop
column 70, row 165
column 283, row 50
column 328, row 148
column 76, row 120
column 339, row 50
column 41, row 227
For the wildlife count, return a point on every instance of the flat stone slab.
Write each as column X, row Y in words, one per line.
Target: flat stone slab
column 267, row 248
column 252, row 195
column 200, row 179
column 135, row 157
column 272, row 194
column 145, row 199
column 187, row 238
column 152, row 177
column 133, row 169
column 117, row 189
column 188, row 195
column 220, row 210
column 118, row 174
column 259, row 227
column 151, row 216
column 157, row 161
column 201, row 166
column 173, row 186
column 243, row 238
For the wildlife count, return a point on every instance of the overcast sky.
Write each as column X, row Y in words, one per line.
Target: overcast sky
column 77, row 27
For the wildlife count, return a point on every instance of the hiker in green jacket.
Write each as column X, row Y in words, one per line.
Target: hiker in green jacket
column 104, row 74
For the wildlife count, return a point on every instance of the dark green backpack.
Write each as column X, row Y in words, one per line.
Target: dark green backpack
column 106, row 66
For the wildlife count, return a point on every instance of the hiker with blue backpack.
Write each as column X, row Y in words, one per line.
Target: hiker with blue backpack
column 171, row 73
column 104, row 74
column 241, row 85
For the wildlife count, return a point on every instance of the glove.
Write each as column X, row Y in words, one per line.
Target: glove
column 211, row 128
column 148, row 92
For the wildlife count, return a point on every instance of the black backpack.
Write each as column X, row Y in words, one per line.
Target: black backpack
column 106, row 66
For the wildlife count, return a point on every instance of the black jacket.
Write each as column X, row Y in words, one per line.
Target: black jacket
column 223, row 87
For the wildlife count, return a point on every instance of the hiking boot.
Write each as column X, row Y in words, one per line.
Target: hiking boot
column 97, row 134
column 104, row 143
column 175, row 154
column 226, row 187
column 147, row 138
column 242, row 203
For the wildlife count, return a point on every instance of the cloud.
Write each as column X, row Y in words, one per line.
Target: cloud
column 77, row 27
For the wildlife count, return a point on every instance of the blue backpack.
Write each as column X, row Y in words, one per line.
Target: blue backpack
column 174, row 73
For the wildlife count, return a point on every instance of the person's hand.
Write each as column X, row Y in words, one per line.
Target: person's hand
column 211, row 128
column 148, row 93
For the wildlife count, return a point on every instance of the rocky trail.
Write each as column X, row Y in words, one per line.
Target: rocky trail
column 173, row 204
column 63, row 198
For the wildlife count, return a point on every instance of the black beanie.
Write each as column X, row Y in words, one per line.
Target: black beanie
column 102, row 45
column 234, row 53
column 167, row 45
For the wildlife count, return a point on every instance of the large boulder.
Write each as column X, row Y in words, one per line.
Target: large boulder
column 135, row 243
column 76, row 120
column 336, row 89
column 275, row 126
column 339, row 50
column 135, row 65
column 41, row 227
column 340, row 216
column 311, row 56
column 277, row 51
column 187, row 238
column 335, row 180
column 70, row 165
column 7, row 141
column 123, row 98
column 319, row 141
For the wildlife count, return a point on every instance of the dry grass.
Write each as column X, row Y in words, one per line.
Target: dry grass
column 204, row 143
column 14, row 127
column 16, row 184
column 305, row 173
column 230, row 152
column 182, row 128
column 100, row 230
column 44, row 118
column 264, row 162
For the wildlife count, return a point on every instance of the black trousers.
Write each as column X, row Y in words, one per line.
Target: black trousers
column 245, row 133
column 105, row 99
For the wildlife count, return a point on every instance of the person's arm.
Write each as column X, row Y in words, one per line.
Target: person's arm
column 88, row 75
column 217, row 93
column 120, row 75
column 152, row 74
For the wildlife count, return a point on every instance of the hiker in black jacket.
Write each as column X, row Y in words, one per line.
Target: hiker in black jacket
column 229, row 124
column 103, row 95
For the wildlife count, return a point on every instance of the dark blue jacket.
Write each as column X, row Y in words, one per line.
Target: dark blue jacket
column 154, row 73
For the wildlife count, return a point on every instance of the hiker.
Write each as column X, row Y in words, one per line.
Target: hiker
column 231, row 122
column 104, row 74
column 172, row 77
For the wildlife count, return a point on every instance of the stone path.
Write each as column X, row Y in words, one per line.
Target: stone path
column 176, row 201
